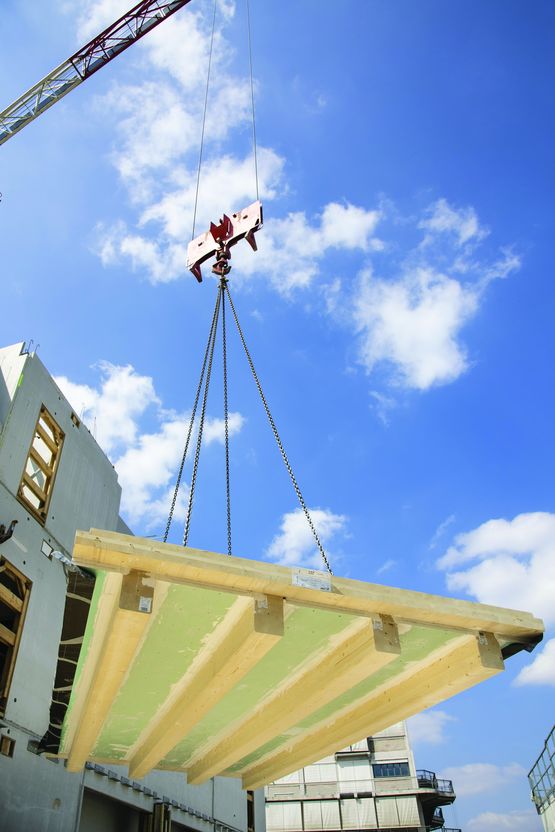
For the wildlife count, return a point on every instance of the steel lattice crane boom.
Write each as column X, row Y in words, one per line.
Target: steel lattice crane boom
column 135, row 23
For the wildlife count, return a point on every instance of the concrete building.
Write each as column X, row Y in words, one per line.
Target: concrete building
column 371, row 785
column 542, row 783
column 54, row 479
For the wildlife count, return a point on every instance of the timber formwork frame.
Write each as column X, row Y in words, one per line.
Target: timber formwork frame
column 215, row 665
column 125, row 31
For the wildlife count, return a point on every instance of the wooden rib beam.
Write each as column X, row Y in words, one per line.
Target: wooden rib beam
column 168, row 562
column 244, row 636
column 351, row 656
column 459, row 665
column 10, row 598
column 123, row 617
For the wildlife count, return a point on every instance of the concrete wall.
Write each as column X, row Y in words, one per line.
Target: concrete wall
column 37, row 794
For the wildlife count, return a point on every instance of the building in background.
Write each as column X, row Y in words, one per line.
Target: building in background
column 370, row 785
column 54, row 479
column 542, row 783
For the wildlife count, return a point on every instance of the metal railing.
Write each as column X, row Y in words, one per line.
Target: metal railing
column 428, row 779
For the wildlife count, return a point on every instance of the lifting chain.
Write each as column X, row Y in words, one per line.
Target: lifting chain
column 222, row 268
column 276, row 435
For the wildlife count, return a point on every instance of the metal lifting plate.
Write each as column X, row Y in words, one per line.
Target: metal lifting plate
column 218, row 240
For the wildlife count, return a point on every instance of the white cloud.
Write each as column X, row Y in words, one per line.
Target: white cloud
column 429, row 727
column 477, row 778
column 518, row 821
column 386, row 566
column 146, row 462
column 294, row 545
column 291, row 249
column 507, row 563
column 112, row 411
column 441, row 529
column 443, row 218
column 542, row 669
column 413, row 324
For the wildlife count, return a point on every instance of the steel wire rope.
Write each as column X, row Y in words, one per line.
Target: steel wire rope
column 223, row 283
column 254, row 148
column 276, row 434
column 204, row 118
column 201, row 421
column 190, row 428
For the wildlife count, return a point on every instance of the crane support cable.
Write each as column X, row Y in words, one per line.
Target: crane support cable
column 277, row 436
column 201, row 149
column 120, row 35
column 190, row 426
column 254, row 149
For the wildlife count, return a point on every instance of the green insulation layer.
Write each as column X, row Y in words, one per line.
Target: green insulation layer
column 187, row 617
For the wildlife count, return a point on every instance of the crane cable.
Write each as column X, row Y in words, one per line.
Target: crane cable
column 205, row 110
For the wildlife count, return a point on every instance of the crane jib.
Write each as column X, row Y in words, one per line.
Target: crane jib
column 117, row 37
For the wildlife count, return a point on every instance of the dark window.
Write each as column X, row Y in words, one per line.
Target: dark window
column 391, row 769
column 250, row 811
column 14, row 596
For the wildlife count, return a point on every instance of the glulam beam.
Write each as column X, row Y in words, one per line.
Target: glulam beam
column 461, row 664
column 245, row 635
column 352, row 656
column 122, row 619
column 168, row 562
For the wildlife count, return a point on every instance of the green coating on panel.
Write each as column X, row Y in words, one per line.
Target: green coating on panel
column 416, row 645
column 306, row 632
column 91, row 618
column 187, row 617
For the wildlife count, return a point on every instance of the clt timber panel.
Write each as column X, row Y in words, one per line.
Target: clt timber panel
column 215, row 665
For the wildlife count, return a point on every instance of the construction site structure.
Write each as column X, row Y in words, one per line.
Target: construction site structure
column 371, row 785
column 54, row 479
column 542, row 783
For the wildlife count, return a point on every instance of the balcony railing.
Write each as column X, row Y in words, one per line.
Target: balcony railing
column 428, row 780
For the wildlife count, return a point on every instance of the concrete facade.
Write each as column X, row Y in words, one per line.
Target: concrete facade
column 36, row 793
column 370, row 785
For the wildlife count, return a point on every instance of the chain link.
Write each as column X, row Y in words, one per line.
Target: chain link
column 190, row 428
column 201, row 422
column 276, row 434
column 223, row 284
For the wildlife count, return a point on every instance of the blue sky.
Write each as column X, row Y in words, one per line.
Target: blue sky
column 399, row 309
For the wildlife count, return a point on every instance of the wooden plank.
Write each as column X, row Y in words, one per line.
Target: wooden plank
column 7, row 636
column 352, row 656
column 35, row 487
column 456, row 667
column 113, row 551
column 121, row 624
column 248, row 631
column 10, row 598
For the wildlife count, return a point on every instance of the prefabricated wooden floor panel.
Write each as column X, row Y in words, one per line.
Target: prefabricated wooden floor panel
column 216, row 665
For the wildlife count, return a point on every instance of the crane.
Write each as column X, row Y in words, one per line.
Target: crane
column 99, row 51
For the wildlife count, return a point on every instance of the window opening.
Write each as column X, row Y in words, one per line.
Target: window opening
column 35, row 488
column 391, row 769
column 250, row 811
column 14, row 597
